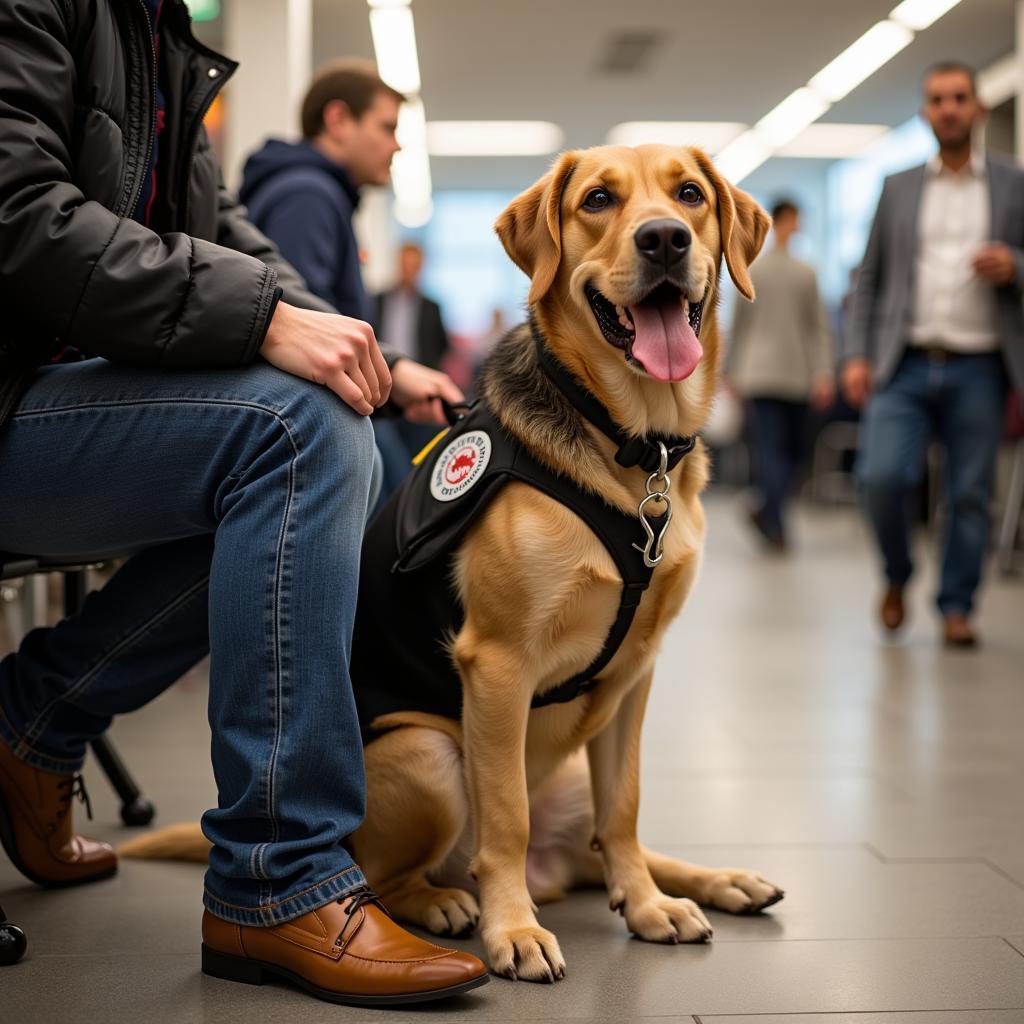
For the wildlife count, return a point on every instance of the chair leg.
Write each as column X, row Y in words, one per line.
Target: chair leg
column 12, row 942
column 135, row 808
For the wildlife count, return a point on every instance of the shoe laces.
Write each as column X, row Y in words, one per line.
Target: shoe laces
column 356, row 899
column 75, row 788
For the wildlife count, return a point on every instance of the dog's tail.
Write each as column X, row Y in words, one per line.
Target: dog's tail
column 176, row 842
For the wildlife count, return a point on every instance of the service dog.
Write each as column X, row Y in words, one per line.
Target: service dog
column 521, row 781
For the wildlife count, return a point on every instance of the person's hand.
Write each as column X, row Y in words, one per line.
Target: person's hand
column 995, row 263
column 417, row 391
column 337, row 351
column 856, row 381
column 823, row 392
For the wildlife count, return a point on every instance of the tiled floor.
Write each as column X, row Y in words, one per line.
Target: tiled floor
column 881, row 784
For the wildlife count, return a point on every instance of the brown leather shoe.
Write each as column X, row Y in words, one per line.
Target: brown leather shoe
column 349, row 951
column 891, row 611
column 35, row 826
column 957, row 631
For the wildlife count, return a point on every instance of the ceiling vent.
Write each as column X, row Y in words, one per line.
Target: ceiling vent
column 629, row 51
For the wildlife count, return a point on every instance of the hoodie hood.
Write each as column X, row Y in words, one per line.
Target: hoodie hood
column 278, row 156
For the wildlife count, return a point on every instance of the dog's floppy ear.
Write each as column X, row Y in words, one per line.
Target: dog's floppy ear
column 530, row 229
column 743, row 225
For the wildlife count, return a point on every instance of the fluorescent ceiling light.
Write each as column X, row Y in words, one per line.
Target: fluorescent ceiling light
column 878, row 45
column 791, row 117
column 919, row 14
column 742, row 156
column 709, row 135
column 410, row 168
column 394, row 42
column 998, row 82
column 493, row 138
column 833, row 141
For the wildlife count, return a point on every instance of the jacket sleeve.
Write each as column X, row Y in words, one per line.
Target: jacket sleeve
column 236, row 231
column 72, row 270
column 857, row 340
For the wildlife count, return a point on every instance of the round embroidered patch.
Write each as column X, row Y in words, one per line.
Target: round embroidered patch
column 460, row 465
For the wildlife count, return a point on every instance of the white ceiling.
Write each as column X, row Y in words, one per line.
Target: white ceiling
column 721, row 60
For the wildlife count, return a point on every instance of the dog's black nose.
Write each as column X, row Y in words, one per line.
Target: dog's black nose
column 663, row 241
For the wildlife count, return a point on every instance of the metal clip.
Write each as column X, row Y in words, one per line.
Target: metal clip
column 655, row 542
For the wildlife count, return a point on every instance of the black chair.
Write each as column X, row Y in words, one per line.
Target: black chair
column 12, row 941
column 135, row 808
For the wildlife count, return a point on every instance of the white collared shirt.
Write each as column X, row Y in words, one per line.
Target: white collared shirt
column 953, row 307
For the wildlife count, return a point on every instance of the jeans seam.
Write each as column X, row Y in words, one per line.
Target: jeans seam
column 39, row 723
column 259, row 851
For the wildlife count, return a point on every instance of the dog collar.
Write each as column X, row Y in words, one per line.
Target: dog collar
column 644, row 452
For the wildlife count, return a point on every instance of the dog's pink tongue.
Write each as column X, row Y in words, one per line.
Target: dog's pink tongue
column 665, row 342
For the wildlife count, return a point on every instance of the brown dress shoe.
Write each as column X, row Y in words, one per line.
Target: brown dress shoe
column 891, row 611
column 349, row 951
column 35, row 826
column 957, row 631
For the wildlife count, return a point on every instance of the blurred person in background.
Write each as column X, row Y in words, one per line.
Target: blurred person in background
column 780, row 360
column 936, row 323
column 303, row 196
column 413, row 325
column 213, row 422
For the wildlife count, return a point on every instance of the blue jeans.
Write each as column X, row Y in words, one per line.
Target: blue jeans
column 961, row 401
column 777, row 431
column 244, row 492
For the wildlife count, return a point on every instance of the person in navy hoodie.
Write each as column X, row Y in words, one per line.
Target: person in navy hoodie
column 303, row 196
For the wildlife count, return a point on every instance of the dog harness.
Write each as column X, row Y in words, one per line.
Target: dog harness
column 408, row 611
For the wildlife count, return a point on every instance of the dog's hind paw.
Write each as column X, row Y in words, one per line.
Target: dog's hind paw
column 450, row 912
column 741, row 892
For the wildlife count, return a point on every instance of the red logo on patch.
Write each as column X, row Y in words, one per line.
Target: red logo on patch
column 460, row 465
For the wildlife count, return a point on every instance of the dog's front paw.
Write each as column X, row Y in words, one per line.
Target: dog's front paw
column 664, row 919
column 527, row 954
column 741, row 892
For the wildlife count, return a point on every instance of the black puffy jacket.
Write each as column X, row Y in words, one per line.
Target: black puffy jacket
column 77, row 118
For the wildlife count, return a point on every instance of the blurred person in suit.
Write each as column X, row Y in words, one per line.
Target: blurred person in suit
column 414, row 324
column 781, row 361
column 935, row 327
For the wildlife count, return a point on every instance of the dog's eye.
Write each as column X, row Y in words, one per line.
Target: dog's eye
column 690, row 194
column 597, row 199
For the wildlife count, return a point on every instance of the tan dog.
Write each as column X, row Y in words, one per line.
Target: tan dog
column 624, row 248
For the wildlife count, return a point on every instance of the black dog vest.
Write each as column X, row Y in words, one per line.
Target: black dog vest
column 408, row 611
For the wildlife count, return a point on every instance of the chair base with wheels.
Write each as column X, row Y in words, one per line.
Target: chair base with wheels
column 12, row 942
column 135, row 808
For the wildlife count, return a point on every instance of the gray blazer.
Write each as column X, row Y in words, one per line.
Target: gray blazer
column 879, row 317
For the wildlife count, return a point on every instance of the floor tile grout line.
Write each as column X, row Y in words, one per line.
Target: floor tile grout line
column 984, row 861
column 1016, row 949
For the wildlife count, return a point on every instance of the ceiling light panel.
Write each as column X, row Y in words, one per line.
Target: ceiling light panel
column 493, row 138
column 742, row 156
column 394, row 43
column 791, row 117
column 919, row 14
column 863, row 58
column 833, row 141
column 710, row 135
